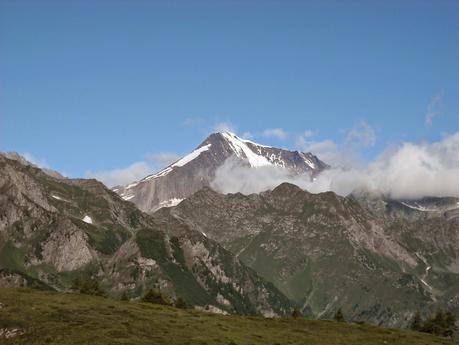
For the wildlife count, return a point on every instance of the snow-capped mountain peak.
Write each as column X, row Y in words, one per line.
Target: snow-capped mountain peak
column 197, row 169
column 245, row 141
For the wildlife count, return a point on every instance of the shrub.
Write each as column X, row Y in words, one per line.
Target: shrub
column 88, row 287
column 296, row 313
column 441, row 323
column 416, row 322
column 450, row 323
column 339, row 316
column 124, row 296
column 155, row 296
column 180, row 303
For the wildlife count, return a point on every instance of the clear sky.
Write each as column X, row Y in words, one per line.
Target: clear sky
column 101, row 85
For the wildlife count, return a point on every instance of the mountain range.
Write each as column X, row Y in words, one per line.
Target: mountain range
column 55, row 230
column 326, row 252
column 380, row 260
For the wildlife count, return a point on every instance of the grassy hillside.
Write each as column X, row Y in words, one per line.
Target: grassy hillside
column 57, row 318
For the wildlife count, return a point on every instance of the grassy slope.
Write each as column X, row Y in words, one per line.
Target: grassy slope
column 57, row 318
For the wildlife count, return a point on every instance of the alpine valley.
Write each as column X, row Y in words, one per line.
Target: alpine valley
column 379, row 260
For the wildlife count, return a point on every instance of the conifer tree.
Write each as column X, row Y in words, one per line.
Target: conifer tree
column 339, row 316
column 442, row 323
column 155, row 296
column 124, row 296
column 296, row 313
column 180, row 303
column 416, row 322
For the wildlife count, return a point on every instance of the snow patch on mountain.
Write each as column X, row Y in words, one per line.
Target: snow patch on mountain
column 181, row 162
column 307, row 160
column 426, row 284
column 170, row 202
column 132, row 185
column 87, row 219
column 418, row 207
column 251, row 142
column 187, row 159
column 56, row 197
column 241, row 150
column 163, row 172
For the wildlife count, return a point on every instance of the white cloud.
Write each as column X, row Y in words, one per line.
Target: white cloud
column 122, row 176
column 302, row 139
column 361, row 135
column 193, row 121
column 234, row 176
column 347, row 155
column 308, row 134
column 224, row 126
column 162, row 159
column 35, row 161
column 136, row 171
column 416, row 170
column 278, row 133
column 247, row 135
column 410, row 170
column 433, row 109
column 327, row 150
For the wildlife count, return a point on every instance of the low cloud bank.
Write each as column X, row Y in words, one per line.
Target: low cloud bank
column 234, row 176
column 136, row 171
column 409, row 170
column 121, row 176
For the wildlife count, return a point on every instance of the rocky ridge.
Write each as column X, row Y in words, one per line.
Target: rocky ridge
column 327, row 252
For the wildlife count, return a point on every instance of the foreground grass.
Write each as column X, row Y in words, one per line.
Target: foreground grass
column 58, row 318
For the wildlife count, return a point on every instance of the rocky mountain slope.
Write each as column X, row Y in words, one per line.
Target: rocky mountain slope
column 328, row 252
column 53, row 230
column 197, row 170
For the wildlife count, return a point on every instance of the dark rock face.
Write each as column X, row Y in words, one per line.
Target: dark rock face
column 328, row 252
column 197, row 170
column 53, row 230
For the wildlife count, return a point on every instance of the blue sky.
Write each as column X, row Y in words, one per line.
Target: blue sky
column 102, row 85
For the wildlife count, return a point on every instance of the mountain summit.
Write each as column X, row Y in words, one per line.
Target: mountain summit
column 197, row 170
